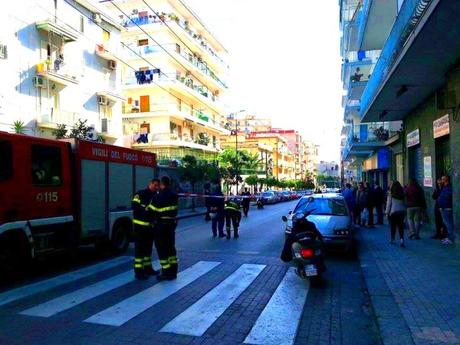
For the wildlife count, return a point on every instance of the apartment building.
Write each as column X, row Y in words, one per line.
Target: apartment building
column 59, row 64
column 365, row 27
column 248, row 123
column 174, row 79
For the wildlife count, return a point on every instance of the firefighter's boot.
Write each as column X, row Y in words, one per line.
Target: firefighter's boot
column 174, row 267
column 139, row 269
column 228, row 233
column 236, row 235
column 148, row 269
column 166, row 274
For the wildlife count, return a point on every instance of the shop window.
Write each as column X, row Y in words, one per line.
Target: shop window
column 46, row 165
column 6, row 160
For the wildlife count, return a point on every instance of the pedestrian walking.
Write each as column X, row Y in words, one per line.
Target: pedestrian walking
column 445, row 206
column 246, row 201
column 207, row 193
column 217, row 206
column 416, row 207
column 379, row 202
column 232, row 217
column 362, row 202
column 350, row 198
column 396, row 212
column 370, row 205
column 143, row 230
column 440, row 227
column 165, row 206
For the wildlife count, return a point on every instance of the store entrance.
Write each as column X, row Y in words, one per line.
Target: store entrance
column 416, row 163
column 443, row 162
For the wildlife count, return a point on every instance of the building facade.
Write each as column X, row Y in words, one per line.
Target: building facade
column 423, row 93
column 365, row 26
column 174, row 82
column 59, row 62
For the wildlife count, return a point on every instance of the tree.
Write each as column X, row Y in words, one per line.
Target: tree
column 252, row 180
column 60, row 132
column 81, row 130
column 19, row 127
column 271, row 182
column 191, row 171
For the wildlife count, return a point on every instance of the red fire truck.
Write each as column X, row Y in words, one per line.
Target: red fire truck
column 55, row 194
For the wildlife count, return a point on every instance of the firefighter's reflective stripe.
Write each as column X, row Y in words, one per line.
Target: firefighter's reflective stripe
column 231, row 208
column 162, row 209
column 165, row 264
column 141, row 222
column 136, row 199
column 147, row 261
column 138, row 263
column 165, row 217
column 172, row 259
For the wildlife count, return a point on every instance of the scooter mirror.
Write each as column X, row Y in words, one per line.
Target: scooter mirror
column 284, row 218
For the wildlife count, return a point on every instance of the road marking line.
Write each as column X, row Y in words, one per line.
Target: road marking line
column 32, row 289
column 77, row 297
column 211, row 250
column 243, row 252
column 278, row 322
column 202, row 314
column 129, row 308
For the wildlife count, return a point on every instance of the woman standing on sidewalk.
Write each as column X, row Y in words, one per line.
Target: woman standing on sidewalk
column 396, row 211
column 416, row 207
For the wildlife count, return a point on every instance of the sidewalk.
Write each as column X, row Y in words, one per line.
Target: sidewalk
column 188, row 212
column 415, row 292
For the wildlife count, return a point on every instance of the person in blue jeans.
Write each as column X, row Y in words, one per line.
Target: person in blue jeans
column 217, row 205
column 445, row 206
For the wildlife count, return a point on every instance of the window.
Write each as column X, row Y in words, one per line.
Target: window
column 82, row 24
column 46, row 165
column 143, row 42
column 6, row 160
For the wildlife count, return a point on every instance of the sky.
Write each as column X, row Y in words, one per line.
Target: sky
column 284, row 63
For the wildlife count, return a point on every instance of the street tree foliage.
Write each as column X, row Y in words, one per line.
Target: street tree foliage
column 233, row 162
column 80, row 130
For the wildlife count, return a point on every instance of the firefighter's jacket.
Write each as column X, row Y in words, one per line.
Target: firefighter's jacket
column 164, row 206
column 139, row 204
column 232, row 206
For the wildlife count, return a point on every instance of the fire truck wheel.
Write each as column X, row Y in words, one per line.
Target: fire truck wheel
column 120, row 236
column 14, row 252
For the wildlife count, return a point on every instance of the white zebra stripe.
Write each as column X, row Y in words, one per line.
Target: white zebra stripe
column 278, row 322
column 77, row 297
column 200, row 316
column 32, row 289
column 129, row 308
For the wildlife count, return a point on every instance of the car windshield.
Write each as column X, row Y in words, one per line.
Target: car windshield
column 322, row 206
column 267, row 194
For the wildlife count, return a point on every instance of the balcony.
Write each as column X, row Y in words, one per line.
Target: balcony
column 182, row 84
column 351, row 20
column 57, row 72
column 54, row 117
column 401, row 80
column 179, row 26
column 67, row 33
column 178, row 111
column 358, row 79
column 107, row 51
column 159, row 140
column 377, row 19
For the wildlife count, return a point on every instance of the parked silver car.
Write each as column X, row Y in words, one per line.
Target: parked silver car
column 268, row 198
column 331, row 217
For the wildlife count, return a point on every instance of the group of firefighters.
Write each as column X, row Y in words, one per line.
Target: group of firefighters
column 155, row 220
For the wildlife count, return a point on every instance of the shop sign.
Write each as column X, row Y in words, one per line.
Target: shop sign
column 441, row 126
column 427, row 173
column 413, row 138
column 383, row 158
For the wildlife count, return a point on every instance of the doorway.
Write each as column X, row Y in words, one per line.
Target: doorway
column 443, row 161
column 145, row 104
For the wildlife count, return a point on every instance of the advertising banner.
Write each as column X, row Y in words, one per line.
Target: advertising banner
column 441, row 126
column 427, row 172
column 413, row 138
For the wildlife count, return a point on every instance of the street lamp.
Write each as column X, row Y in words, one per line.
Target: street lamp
column 235, row 116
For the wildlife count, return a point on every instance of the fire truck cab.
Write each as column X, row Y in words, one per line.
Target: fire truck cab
column 55, row 195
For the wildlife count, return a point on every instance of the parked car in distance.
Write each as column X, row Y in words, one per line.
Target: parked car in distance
column 268, row 198
column 331, row 216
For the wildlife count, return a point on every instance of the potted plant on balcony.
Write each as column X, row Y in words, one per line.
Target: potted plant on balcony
column 381, row 134
column 202, row 139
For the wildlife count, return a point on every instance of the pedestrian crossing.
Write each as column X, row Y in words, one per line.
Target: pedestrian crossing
column 276, row 324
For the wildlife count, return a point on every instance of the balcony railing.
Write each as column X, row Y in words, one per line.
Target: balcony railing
column 56, row 70
column 172, row 108
column 152, row 138
column 173, row 19
column 375, row 132
column 409, row 16
column 63, row 117
column 156, row 76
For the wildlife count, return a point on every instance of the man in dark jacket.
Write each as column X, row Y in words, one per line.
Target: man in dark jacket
column 143, row 231
column 445, row 205
column 440, row 227
column 379, row 201
column 216, row 202
column 232, row 217
column 246, row 201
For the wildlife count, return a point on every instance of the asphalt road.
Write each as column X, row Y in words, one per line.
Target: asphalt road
column 228, row 292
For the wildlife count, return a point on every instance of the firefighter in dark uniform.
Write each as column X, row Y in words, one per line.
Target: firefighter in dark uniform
column 164, row 207
column 143, row 230
column 232, row 216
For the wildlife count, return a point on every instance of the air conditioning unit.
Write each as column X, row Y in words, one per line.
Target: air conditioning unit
column 112, row 64
column 39, row 82
column 102, row 100
column 3, row 51
column 97, row 18
column 104, row 125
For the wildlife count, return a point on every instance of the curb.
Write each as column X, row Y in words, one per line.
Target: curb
column 393, row 329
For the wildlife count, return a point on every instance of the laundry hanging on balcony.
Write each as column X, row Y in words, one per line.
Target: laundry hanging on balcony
column 146, row 77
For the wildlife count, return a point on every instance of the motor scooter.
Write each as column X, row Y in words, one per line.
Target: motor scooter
column 304, row 247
